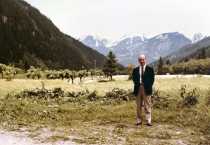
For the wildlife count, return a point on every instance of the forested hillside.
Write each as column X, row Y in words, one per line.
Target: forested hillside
column 196, row 54
column 190, row 51
column 28, row 38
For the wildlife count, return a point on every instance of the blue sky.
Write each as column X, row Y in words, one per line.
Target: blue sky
column 113, row 19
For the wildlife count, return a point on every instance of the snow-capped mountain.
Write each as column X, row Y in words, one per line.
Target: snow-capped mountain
column 197, row 37
column 104, row 45
column 100, row 45
column 128, row 49
column 153, row 48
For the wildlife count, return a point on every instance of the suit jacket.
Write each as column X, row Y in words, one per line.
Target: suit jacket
column 148, row 80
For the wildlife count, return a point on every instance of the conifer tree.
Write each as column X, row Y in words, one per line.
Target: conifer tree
column 203, row 53
column 199, row 56
column 160, row 66
column 110, row 65
column 186, row 59
column 26, row 65
column 168, row 62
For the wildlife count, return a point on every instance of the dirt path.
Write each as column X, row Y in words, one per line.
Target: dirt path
column 13, row 138
column 89, row 133
column 21, row 138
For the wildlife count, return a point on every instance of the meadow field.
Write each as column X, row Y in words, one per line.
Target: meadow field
column 104, row 112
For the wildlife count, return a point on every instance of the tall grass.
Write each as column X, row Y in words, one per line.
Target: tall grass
column 94, row 106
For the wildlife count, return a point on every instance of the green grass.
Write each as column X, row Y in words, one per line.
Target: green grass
column 108, row 121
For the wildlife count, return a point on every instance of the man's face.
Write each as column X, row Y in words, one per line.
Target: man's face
column 142, row 60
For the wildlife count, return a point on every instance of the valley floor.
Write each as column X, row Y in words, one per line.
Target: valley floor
column 90, row 132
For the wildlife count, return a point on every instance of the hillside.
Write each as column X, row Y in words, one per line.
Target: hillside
column 196, row 54
column 189, row 51
column 28, row 38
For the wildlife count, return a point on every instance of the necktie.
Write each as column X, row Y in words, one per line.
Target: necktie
column 142, row 73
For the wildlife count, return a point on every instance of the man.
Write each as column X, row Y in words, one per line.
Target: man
column 143, row 78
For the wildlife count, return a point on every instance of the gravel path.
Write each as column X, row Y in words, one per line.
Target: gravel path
column 18, row 138
column 14, row 138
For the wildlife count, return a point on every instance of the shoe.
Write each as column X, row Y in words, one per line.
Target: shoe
column 138, row 124
column 149, row 124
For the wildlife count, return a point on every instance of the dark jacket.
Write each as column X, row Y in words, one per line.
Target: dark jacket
column 148, row 80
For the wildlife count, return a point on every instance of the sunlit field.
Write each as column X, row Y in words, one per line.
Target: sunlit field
column 104, row 112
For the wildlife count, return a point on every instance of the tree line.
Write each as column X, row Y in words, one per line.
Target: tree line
column 198, row 65
column 109, row 69
column 201, row 65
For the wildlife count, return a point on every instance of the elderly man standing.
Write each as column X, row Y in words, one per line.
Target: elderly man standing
column 143, row 78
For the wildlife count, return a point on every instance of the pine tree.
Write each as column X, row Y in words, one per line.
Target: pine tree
column 186, row 59
column 26, row 65
column 203, row 53
column 168, row 62
column 160, row 66
column 199, row 56
column 110, row 65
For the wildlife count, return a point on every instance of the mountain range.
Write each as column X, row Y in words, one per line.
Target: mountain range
column 128, row 49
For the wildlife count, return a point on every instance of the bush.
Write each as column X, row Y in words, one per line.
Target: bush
column 188, row 99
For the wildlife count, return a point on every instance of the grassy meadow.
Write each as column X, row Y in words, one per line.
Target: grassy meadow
column 104, row 112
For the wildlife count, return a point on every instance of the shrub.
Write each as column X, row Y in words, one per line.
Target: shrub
column 188, row 99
